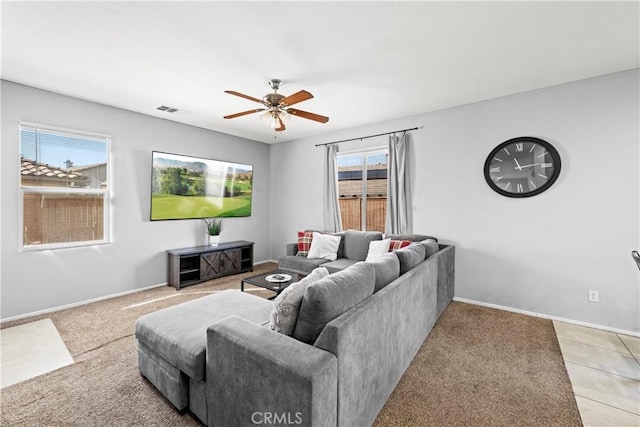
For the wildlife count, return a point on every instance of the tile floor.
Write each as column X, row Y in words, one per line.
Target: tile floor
column 29, row 350
column 604, row 369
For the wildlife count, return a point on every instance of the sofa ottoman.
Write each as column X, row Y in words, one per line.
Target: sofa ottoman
column 172, row 343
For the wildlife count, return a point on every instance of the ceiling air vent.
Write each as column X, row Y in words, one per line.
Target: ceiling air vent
column 167, row 109
column 172, row 110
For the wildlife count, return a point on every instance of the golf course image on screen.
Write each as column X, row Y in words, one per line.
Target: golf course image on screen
column 186, row 187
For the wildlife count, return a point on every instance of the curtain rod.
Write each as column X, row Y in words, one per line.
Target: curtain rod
column 364, row 137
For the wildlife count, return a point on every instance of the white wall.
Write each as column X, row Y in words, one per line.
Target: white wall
column 540, row 254
column 34, row 281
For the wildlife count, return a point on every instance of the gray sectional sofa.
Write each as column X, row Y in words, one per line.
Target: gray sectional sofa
column 357, row 331
column 354, row 246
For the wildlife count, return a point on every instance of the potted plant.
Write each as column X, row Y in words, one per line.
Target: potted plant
column 214, row 228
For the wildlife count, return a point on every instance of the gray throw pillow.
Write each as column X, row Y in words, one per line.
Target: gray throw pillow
column 330, row 297
column 410, row 256
column 286, row 306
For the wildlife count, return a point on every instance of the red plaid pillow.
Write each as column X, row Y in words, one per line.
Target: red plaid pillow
column 397, row 244
column 304, row 242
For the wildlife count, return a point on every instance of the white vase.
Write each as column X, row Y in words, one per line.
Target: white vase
column 214, row 240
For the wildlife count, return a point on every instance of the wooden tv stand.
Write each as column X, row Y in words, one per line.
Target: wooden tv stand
column 188, row 266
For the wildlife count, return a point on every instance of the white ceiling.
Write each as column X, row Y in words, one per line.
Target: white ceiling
column 363, row 61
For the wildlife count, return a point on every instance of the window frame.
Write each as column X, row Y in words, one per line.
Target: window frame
column 65, row 191
column 365, row 153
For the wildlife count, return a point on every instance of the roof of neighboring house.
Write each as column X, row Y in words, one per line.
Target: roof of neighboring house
column 355, row 172
column 35, row 169
column 85, row 167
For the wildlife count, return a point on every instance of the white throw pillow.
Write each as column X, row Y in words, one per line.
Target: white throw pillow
column 286, row 306
column 377, row 249
column 324, row 246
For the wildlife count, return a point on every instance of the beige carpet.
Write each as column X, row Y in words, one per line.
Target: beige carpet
column 484, row 367
column 479, row 366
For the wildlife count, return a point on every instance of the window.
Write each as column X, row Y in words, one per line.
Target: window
column 363, row 202
column 64, row 187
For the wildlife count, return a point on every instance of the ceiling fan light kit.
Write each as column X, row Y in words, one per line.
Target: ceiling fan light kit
column 277, row 110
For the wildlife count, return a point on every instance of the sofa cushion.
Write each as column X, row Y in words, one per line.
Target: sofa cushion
column 341, row 247
column 431, row 247
column 411, row 256
column 378, row 248
column 339, row 264
column 328, row 298
column 324, row 246
column 286, row 306
column 178, row 334
column 411, row 237
column 398, row 244
column 304, row 242
column 300, row 264
column 291, row 248
column 356, row 243
column 387, row 270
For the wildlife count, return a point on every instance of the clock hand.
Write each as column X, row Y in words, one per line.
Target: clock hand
column 517, row 164
column 528, row 166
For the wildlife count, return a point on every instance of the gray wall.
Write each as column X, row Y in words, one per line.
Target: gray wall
column 33, row 281
column 541, row 254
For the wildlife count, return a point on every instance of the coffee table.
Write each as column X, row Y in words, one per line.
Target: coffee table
column 277, row 287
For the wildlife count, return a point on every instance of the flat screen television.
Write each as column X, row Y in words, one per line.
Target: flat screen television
column 186, row 187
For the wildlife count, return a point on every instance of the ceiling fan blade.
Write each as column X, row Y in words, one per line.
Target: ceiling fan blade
column 303, row 95
column 242, row 95
column 307, row 115
column 281, row 128
column 233, row 116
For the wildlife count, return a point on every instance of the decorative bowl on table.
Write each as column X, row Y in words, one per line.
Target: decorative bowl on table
column 278, row 278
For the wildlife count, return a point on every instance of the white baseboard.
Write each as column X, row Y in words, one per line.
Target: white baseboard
column 547, row 316
column 89, row 301
column 265, row 261
column 76, row 304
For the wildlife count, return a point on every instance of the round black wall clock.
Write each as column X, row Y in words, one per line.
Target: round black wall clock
column 522, row 167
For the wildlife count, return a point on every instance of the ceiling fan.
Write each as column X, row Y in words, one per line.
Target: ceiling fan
column 277, row 107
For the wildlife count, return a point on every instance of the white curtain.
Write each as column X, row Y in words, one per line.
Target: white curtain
column 332, row 219
column 398, row 191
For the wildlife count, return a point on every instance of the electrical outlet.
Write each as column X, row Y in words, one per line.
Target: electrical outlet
column 593, row 296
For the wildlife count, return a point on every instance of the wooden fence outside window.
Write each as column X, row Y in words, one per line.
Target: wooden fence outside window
column 60, row 219
column 351, row 212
